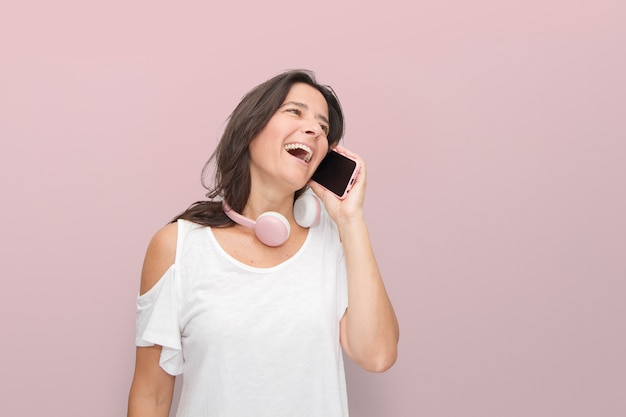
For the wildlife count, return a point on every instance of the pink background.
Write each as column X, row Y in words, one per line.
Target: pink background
column 495, row 137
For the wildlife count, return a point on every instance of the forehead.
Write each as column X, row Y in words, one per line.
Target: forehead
column 305, row 94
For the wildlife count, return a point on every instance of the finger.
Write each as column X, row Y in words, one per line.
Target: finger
column 344, row 150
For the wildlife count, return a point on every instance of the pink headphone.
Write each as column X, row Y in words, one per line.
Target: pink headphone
column 272, row 228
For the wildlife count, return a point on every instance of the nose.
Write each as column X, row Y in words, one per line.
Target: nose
column 312, row 128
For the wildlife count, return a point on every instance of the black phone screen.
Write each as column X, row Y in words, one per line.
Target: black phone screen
column 335, row 172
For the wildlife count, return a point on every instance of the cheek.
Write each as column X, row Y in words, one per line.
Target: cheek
column 323, row 148
column 321, row 153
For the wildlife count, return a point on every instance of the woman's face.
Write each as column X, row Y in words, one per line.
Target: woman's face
column 292, row 144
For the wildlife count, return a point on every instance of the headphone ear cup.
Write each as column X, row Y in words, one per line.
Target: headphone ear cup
column 306, row 210
column 272, row 228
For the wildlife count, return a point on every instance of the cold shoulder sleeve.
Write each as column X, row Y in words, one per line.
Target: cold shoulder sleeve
column 157, row 322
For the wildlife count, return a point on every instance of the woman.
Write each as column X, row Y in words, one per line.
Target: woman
column 259, row 330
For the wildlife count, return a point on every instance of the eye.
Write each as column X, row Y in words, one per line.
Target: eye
column 294, row 110
column 325, row 129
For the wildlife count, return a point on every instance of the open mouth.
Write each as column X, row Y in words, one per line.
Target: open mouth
column 299, row 151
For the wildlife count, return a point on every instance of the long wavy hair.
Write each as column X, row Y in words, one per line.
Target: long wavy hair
column 231, row 157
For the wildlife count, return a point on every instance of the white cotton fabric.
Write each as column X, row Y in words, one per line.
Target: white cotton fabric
column 251, row 341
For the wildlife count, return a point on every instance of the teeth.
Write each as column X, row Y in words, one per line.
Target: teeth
column 293, row 146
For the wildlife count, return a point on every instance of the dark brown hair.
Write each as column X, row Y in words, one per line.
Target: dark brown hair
column 232, row 157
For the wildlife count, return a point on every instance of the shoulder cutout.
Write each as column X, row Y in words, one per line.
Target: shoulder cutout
column 160, row 255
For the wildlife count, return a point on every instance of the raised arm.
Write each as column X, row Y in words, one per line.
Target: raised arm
column 369, row 327
column 152, row 388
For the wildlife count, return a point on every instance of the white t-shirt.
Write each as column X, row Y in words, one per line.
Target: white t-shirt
column 251, row 341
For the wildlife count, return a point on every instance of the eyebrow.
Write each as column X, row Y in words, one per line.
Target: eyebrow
column 305, row 107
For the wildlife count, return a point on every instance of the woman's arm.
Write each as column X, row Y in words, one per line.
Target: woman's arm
column 152, row 388
column 369, row 328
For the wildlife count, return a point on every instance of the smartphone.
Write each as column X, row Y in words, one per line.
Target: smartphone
column 337, row 173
